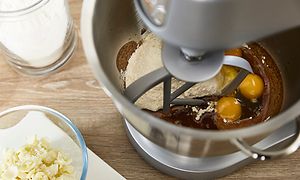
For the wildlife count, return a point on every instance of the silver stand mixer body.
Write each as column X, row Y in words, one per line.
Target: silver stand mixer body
column 107, row 25
column 210, row 25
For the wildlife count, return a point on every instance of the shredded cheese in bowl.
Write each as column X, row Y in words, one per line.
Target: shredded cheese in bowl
column 36, row 161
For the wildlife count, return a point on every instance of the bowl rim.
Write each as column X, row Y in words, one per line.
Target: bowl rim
column 87, row 32
column 66, row 120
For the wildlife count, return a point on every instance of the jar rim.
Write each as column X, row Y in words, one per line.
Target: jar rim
column 24, row 10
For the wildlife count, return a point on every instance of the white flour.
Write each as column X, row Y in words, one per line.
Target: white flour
column 38, row 37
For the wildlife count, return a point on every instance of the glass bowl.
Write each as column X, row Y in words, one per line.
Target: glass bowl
column 20, row 124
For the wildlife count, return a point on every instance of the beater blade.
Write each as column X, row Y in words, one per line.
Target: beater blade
column 138, row 88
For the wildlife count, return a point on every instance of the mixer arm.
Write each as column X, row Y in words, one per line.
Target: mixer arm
column 139, row 87
column 209, row 25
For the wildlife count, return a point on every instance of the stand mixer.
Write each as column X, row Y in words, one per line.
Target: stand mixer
column 193, row 52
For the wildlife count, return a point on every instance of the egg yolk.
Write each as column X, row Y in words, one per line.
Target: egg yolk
column 229, row 108
column 252, row 87
column 229, row 73
column 234, row 52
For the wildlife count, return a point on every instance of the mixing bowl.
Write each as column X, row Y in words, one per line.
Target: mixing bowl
column 107, row 25
column 21, row 123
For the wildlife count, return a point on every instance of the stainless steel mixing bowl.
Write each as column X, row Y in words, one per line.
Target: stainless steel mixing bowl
column 107, row 25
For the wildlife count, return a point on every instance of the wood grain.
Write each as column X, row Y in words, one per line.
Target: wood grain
column 75, row 92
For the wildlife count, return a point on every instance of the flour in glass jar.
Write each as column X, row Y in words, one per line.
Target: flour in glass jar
column 38, row 37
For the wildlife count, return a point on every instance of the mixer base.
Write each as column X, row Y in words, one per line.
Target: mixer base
column 202, row 168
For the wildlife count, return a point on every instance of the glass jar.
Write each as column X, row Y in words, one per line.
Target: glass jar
column 37, row 36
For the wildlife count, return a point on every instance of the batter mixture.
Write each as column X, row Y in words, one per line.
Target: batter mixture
column 248, row 105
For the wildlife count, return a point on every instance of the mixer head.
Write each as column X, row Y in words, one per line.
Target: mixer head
column 196, row 32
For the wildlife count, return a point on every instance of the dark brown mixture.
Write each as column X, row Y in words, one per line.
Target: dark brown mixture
column 268, row 105
column 184, row 116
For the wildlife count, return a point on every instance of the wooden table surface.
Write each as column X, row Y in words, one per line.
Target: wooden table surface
column 75, row 92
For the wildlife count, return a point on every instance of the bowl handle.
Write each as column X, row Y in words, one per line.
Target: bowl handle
column 256, row 153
